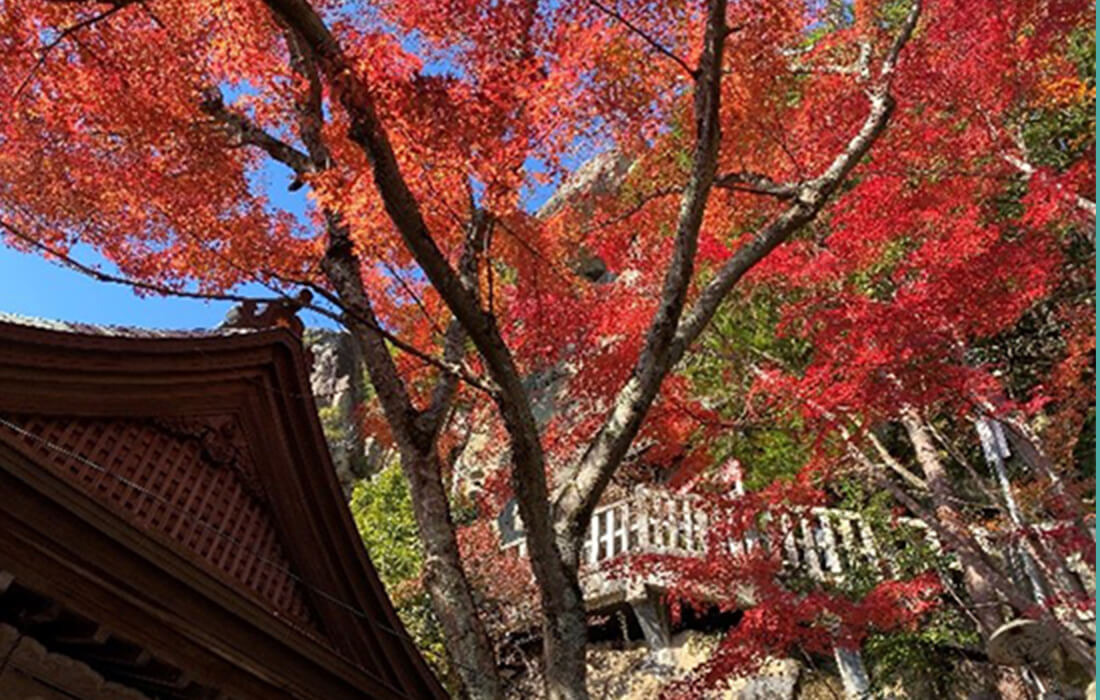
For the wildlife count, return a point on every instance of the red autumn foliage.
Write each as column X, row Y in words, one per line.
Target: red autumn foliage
column 946, row 235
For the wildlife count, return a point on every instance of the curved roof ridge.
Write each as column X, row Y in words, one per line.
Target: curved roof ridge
column 110, row 330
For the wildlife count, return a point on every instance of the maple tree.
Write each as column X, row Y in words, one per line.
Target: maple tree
column 760, row 136
column 907, row 324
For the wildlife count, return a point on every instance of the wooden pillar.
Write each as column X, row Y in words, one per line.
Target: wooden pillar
column 643, row 511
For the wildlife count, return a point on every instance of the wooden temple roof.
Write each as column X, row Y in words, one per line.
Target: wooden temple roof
column 174, row 492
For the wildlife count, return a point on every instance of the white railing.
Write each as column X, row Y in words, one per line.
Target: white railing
column 823, row 543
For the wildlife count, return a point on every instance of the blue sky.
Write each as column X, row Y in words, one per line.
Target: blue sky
column 32, row 286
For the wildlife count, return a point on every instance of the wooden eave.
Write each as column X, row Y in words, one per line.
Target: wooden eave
column 98, row 563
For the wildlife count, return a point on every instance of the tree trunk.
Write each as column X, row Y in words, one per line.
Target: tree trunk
column 465, row 637
column 981, row 591
column 565, row 627
column 452, row 599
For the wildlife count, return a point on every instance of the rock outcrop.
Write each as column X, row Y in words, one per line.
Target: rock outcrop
column 631, row 674
column 340, row 387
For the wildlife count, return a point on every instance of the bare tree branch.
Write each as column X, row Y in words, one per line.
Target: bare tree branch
column 65, row 33
column 860, row 67
column 415, row 431
column 100, row 276
column 811, row 198
column 316, row 160
column 449, row 368
column 1086, row 205
column 756, row 183
column 247, row 133
column 564, row 627
column 656, row 45
column 846, row 424
column 958, row 539
column 633, row 210
column 311, row 119
column 583, row 486
column 476, row 243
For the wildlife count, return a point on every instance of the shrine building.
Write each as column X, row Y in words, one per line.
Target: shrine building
column 171, row 525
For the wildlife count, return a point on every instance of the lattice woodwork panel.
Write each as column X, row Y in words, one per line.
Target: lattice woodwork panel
column 171, row 480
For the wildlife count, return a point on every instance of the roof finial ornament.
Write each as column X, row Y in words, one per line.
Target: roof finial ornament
column 275, row 313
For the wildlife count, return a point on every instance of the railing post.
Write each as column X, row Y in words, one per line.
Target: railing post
column 668, row 512
column 628, row 545
column 809, row 545
column 703, row 528
column 789, row 547
column 609, row 520
column 933, row 540
column 751, row 539
column 828, row 542
column 848, row 539
column 867, row 539
column 687, row 526
column 593, row 539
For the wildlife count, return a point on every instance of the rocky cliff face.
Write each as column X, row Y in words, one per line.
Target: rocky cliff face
column 340, row 387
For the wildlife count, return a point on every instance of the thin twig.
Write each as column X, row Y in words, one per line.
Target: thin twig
column 164, row 290
column 634, row 209
column 656, row 45
column 62, row 35
column 756, row 183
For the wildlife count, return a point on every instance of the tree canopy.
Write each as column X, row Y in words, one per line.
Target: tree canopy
column 842, row 212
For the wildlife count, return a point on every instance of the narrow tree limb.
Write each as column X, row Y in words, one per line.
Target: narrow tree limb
column 444, row 575
column 415, row 431
column 165, row 290
column 561, row 592
column 316, row 160
column 476, row 243
column 309, row 106
column 634, row 29
column 100, row 276
column 853, row 450
column 247, row 133
column 894, row 464
column 810, row 200
column 633, row 210
column 64, row 34
column 962, row 542
column 756, row 183
column 583, row 487
column 1086, row 205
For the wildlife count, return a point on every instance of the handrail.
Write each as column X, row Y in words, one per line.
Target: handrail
column 823, row 543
